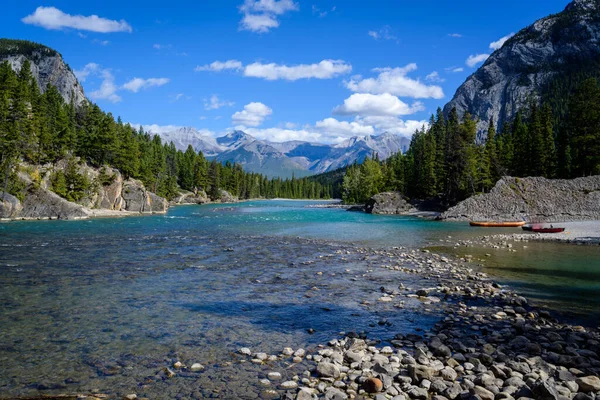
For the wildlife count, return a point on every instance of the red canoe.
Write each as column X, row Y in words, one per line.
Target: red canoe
column 543, row 230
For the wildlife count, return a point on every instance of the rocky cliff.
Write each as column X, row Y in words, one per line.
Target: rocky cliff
column 527, row 62
column 110, row 196
column 534, row 200
column 47, row 67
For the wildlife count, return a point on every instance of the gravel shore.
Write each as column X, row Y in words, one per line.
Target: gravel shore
column 582, row 232
column 491, row 345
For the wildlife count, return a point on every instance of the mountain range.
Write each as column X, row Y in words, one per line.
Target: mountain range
column 285, row 159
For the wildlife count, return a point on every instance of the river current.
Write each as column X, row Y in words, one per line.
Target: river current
column 102, row 306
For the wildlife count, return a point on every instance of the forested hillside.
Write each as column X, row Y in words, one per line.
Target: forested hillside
column 38, row 129
column 445, row 161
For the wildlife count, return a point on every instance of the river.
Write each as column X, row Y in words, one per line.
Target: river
column 104, row 305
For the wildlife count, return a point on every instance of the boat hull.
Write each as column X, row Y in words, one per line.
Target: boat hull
column 543, row 230
column 515, row 224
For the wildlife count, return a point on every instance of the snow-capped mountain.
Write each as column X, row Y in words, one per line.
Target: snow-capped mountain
column 285, row 159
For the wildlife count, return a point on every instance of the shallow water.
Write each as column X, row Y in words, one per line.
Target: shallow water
column 106, row 304
column 561, row 277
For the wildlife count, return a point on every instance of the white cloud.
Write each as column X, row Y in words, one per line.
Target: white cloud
column 282, row 135
column 290, row 125
column 53, row 18
column 101, row 42
column 455, row 35
column 334, row 127
column 376, row 104
column 500, row 42
column 317, row 11
column 214, row 103
column 253, row 114
column 392, row 124
column 473, row 60
column 159, row 46
column 326, row 69
column 395, row 81
column 385, row 33
column 219, row 66
column 136, row 84
column 455, row 69
column 89, row 69
column 434, row 77
column 261, row 15
column 107, row 89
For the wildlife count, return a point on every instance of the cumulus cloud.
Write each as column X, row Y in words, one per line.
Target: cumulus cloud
column 53, row 18
column 334, row 127
column 500, row 42
column 385, row 33
column 473, row 60
column 325, row 69
column 394, row 125
column 455, row 35
column 262, row 15
column 214, row 103
column 253, row 114
column 377, row 105
column 218, row 66
column 283, row 134
column 136, row 84
column 434, row 77
column 395, row 81
column 108, row 89
column 89, row 69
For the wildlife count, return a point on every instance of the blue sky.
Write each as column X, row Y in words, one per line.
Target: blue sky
column 319, row 70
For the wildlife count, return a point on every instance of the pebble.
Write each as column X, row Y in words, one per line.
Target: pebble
column 197, row 367
column 289, row 385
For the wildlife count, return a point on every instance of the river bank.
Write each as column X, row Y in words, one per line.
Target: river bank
column 491, row 343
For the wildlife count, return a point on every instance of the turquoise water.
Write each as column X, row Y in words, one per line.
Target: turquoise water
column 105, row 304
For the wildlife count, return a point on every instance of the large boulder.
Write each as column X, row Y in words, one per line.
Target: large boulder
column 138, row 199
column 110, row 196
column 227, row 197
column 10, row 206
column 391, row 203
column 533, row 199
column 42, row 203
column 199, row 197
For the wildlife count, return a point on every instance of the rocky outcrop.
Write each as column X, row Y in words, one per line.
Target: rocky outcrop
column 42, row 203
column 113, row 198
column 391, row 203
column 199, row 197
column 227, row 197
column 47, row 67
column 138, row 199
column 520, row 69
column 533, row 199
column 10, row 206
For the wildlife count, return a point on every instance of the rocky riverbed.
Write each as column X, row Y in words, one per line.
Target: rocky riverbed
column 490, row 344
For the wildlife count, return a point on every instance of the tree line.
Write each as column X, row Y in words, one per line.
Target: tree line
column 40, row 128
column 446, row 162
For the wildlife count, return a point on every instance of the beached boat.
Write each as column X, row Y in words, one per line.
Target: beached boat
column 543, row 230
column 492, row 224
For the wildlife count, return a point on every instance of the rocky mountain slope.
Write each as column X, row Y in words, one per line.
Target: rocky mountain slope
column 285, row 159
column 47, row 67
column 534, row 200
column 527, row 62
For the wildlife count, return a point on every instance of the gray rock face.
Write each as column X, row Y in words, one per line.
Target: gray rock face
column 42, row 203
column 227, row 197
column 47, row 67
column 138, row 199
column 533, row 199
column 191, row 198
column 392, row 203
column 10, row 206
column 526, row 62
